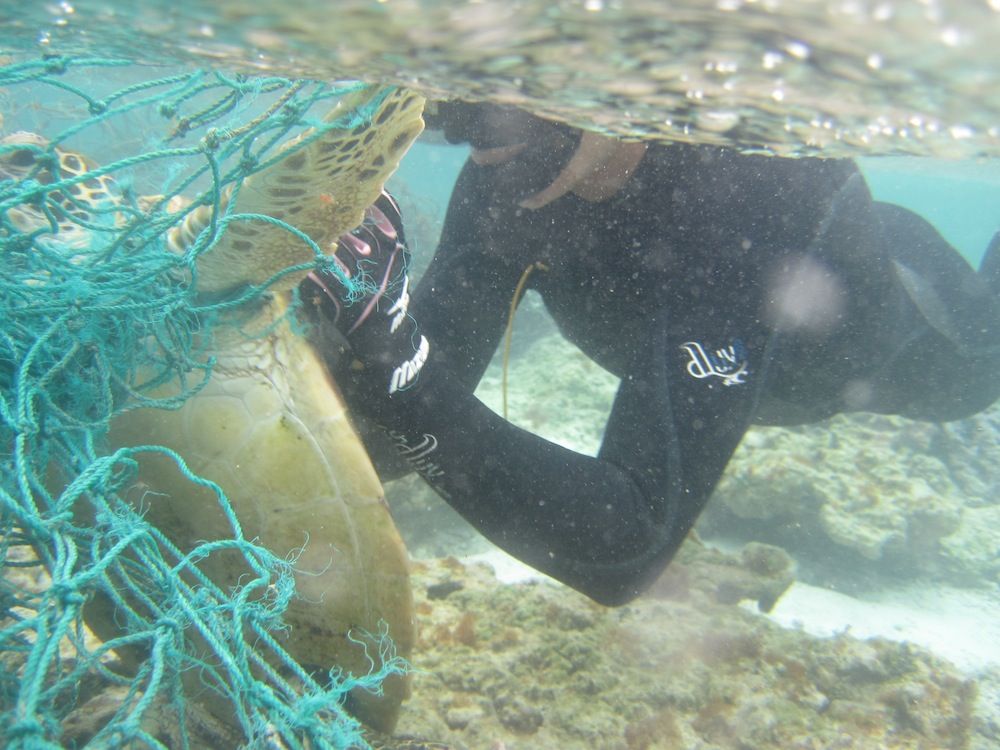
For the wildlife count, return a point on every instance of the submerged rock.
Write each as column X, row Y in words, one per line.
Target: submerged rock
column 916, row 497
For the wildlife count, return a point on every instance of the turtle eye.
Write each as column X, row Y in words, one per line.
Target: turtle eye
column 23, row 158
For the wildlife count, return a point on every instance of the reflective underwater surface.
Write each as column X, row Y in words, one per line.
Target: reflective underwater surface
column 842, row 587
column 907, row 77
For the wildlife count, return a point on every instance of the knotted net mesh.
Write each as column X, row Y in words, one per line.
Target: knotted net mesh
column 95, row 311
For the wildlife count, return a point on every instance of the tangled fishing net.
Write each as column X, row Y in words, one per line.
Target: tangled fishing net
column 96, row 311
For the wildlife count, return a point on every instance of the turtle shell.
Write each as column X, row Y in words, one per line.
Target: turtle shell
column 270, row 428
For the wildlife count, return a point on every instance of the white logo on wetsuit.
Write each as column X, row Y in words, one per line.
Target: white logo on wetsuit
column 728, row 363
column 398, row 310
column 407, row 372
column 417, row 456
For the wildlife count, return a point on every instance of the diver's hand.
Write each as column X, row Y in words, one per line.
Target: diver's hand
column 385, row 353
column 597, row 170
column 373, row 257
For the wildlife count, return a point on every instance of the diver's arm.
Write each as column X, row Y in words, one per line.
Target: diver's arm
column 606, row 526
column 463, row 299
column 596, row 524
column 582, row 520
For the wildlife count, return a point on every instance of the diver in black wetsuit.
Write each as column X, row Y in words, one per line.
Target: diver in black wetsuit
column 724, row 290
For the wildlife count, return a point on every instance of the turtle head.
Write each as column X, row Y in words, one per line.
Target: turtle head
column 320, row 186
column 21, row 153
column 86, row 200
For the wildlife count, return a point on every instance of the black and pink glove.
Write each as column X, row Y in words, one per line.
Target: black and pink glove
column 386, row 353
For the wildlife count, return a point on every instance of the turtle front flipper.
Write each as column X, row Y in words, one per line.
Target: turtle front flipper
column 321, row 188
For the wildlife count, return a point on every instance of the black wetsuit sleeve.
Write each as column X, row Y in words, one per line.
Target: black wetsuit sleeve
column 605, row 525
column 463, row 300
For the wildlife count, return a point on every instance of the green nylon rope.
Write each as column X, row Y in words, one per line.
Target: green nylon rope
column 74, row 335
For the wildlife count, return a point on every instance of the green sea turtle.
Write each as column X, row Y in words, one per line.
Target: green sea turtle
column 270, row 427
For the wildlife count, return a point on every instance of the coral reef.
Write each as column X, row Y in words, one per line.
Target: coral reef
column 919, row 498
column 537, row 666
column 986, row 721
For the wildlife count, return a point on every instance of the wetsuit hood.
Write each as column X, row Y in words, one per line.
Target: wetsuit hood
column 484, row 125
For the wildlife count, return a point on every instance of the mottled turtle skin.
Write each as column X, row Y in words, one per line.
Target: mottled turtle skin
column 270, row 427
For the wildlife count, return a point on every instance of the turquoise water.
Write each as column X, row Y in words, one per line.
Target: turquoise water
column 514, row 666
column 961, row 199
